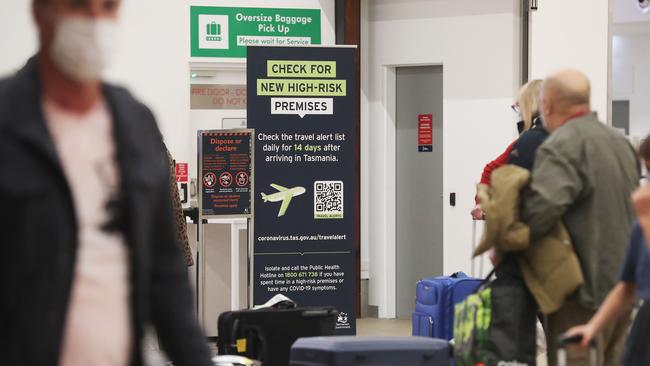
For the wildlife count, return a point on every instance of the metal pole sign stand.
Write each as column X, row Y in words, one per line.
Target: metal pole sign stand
column 226, row 191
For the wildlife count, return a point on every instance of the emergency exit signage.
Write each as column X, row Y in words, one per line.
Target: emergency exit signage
column 227, row 31
column 425, row 132
column 218, row 96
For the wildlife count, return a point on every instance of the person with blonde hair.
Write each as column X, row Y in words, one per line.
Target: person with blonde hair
column 527, row 104
column 521, row 153
column 523, row 150
column 527, row 107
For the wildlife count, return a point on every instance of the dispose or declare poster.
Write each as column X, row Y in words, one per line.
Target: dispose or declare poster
column 225, row 168
column 226, row 31
column 301, row 105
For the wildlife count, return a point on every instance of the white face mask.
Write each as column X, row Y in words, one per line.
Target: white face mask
column 83, row 47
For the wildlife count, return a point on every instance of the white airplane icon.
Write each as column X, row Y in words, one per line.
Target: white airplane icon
column 285, row 195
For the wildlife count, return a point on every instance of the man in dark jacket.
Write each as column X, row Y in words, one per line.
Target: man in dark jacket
column 88, row 255
column 584, row 174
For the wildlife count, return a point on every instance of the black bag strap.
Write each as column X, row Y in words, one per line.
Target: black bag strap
column 234, row 331
column 488, row 279
column 460, row 274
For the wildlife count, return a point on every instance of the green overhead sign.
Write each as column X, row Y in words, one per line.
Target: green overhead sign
column 226, row 31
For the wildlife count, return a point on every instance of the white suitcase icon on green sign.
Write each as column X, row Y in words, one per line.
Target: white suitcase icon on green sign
column 213, row 29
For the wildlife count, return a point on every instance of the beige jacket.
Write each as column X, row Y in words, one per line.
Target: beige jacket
column 179, row 217
column 549, row 266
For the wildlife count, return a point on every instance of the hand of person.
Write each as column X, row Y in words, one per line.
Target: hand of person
column 477, row 213
column 641, row 201
column 586, row 331
column 495, row 258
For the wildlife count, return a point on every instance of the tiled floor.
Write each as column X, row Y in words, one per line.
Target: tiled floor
column 383, row 327
column 399, row 328
column 365, row 327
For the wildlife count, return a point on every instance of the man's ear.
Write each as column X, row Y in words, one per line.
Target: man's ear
column 547, row 107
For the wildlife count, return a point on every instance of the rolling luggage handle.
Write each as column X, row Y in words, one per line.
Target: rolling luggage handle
column 230, row 360
column 481, row 257
column 318, row 313
column 565, row 342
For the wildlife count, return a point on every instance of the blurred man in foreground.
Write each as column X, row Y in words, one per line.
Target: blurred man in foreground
column 88, row 255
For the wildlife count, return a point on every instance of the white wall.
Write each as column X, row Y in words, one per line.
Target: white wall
column 476, row 44
column 152, row 62
column 631, row 79
column 573, row 34
column 17, row 37
column 155, row 54
column 478, row 48
column 630, row 60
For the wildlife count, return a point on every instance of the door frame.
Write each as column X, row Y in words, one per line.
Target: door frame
column 389, row 100
column 442, row 167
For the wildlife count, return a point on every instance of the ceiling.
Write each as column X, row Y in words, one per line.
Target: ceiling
column 628, row 19
column 627, row 11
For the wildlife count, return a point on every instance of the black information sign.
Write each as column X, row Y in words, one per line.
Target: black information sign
column 301, row 104
column 225, row 168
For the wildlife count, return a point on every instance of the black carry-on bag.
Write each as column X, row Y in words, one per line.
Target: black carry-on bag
column 566, row 342
column 496, row 325
column 370, row 351
column 268, row 334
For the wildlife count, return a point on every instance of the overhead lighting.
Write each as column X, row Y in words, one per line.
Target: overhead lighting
column 193, row 76
column 644, row 5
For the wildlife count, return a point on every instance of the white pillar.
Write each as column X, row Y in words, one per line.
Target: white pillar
column 574, row 34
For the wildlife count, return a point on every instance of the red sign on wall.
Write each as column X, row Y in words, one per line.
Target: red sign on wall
column 218, row 96
column 182, row 174
column 425, row 132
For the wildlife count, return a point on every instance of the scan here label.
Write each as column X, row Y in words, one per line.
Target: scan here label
column 302, row 106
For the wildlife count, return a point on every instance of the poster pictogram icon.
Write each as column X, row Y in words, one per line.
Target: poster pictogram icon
column 242, row 179
column 225, row 179
column 209, row 180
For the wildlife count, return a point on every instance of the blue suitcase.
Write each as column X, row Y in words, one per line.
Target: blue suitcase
column 370, row 351
column 434, row 304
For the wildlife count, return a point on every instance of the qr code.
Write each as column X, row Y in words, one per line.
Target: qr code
column 328, row 199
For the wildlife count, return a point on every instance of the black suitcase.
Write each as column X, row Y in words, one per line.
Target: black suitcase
column 371, row 351
column 268, row 334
